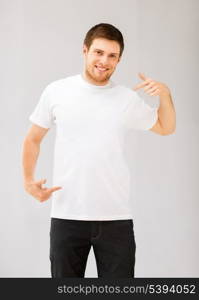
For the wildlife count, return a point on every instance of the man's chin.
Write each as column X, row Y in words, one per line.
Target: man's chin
column 101, row 78
column 98, row 78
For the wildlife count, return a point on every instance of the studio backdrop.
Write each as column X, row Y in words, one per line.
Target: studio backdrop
column 41, row 41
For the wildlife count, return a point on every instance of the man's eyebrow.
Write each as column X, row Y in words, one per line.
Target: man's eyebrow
column 103, row 51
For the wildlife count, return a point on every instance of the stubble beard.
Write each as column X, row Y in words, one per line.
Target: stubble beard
column 92, row 77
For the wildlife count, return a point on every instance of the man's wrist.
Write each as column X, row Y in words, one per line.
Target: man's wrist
column 28, row 181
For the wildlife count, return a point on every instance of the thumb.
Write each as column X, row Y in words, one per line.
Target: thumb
column 42, row 181
column 142, row 76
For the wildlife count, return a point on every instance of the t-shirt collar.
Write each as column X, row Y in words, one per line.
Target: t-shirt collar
column 93, row 86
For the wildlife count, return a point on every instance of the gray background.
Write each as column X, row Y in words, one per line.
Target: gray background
column 41, row 41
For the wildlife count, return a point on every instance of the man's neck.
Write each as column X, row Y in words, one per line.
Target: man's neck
column 91, row 81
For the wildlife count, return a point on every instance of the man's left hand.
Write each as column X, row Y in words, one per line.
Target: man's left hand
column 152, row 87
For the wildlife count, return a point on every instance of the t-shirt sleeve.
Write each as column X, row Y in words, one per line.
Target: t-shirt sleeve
column 42, row 114
column 139, row 114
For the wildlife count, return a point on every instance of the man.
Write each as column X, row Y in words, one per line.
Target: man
column 91, row 205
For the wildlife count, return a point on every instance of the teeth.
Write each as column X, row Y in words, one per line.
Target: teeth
column 101, row 69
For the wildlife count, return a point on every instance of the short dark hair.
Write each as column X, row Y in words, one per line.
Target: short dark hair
column 107, row 31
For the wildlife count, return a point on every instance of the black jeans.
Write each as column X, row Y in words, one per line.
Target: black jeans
column 113, row 245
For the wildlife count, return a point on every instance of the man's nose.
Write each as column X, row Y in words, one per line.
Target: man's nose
column 104, row 60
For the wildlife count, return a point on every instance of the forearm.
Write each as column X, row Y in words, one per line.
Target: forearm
column 166, row 113
column 30, row 155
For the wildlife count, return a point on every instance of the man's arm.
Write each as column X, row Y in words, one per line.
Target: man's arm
column 166, row 122
column 31, row 149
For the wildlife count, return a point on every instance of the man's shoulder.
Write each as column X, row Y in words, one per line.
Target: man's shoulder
column 62, row 82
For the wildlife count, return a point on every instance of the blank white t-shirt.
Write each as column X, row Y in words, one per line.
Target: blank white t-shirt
column 89, row 164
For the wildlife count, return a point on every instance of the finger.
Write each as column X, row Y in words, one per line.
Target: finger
column 140, row 85
column 150, row 85
column 155, row 93
column 42, row 181
column 53, row 189
column 151, row 90
column 142, row 76
column 44, row 195
column 42, row 199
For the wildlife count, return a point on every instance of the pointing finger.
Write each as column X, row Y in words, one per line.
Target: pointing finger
column 140, row 85
column 142, row 76
column 55, row 188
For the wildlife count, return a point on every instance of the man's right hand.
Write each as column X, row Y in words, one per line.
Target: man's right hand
column 35, row 189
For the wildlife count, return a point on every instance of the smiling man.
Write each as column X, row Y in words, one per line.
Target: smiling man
column 101, row 59
column 91, row 204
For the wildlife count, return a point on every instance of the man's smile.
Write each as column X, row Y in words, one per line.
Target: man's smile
column 101, row 69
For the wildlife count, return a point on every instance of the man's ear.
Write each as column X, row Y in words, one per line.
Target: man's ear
column 85, row 49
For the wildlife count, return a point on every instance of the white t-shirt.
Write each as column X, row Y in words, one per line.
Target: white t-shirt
column 89, row 164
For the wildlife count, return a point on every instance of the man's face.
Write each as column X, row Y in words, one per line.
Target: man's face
column 101, row 60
